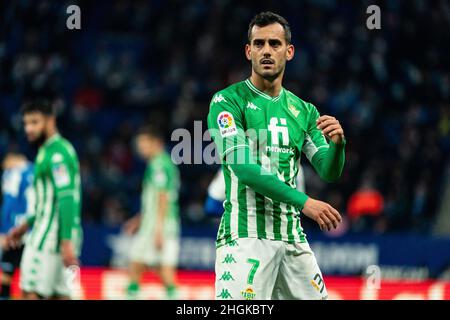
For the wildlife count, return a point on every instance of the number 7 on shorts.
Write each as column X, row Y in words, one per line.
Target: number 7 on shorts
column 251, row 274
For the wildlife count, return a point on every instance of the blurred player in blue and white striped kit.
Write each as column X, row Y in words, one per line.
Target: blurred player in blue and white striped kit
column 17, row 202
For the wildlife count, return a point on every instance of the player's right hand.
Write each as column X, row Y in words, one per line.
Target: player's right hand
column 14, row 236
column 3, row 242
column 325, row 215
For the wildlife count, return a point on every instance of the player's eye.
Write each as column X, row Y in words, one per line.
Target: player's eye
column 274, row 43
column 258, row 43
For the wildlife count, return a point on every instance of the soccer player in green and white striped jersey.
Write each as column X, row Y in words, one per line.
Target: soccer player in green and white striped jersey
column 54, row 242
column 260, row 129
column 156, row 243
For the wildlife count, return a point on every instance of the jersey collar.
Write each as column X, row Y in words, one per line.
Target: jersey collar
column 52, row 139
column 262, row 94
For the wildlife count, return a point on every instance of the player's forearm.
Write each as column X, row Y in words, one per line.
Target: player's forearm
column 67, row 208
column 266, row 183
column 330, row 163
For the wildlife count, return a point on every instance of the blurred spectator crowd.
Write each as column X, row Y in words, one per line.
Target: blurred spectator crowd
column 158, row 61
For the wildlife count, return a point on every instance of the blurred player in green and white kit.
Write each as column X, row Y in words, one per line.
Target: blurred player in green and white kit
column 54, row 243
column 260, row 130
column 157, row 227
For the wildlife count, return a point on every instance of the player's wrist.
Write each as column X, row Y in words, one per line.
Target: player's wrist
column 303, row 198
column 340, row 141
column 23, row 228
column 66, row 242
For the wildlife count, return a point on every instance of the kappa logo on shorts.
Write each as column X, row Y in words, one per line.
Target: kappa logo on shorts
column 226, row 276
column 248, row 294
column 233, row 243
column 225, row 294
column 229, row 259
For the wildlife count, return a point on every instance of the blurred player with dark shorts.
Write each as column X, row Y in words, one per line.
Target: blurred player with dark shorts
column 17, row 202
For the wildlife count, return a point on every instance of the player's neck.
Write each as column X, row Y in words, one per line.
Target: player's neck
column 51, row 134
column 272, row 88
column 156, row 153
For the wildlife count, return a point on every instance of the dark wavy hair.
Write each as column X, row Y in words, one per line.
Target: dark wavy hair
column 266, row 18
column 42, row 106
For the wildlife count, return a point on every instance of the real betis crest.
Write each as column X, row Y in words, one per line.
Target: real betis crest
column 294, row 110
column 248, row 294
column 40, row 156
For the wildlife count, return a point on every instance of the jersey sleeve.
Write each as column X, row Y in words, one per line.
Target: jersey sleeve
column 315, row 141
column 226, row 124
column 63, row 174
column 326, row 157
column 160, row 177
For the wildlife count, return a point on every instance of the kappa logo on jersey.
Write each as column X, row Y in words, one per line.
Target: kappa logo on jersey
column 61, row 175
column 227, row 125
column 251, row 105
column 218, row 98
column 276, row 129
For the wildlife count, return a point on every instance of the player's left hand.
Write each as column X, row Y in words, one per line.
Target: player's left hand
column 68, row 254
column 131, row 226
column 14, row 236
column 331, row 128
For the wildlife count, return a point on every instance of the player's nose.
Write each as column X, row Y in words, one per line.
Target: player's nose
column 266, row 51
column 267, row 54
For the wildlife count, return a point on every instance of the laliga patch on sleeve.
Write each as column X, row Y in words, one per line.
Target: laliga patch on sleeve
column 57, row 157
column 160, row 178
column 227, row 125
column 61, row 175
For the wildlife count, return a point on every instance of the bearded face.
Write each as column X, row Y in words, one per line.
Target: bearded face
column 35, row 124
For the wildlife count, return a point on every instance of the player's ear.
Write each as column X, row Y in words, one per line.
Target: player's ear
column 248, row 51
column 290, row 52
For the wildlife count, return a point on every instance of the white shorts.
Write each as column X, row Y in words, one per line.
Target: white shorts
column 260, row 269
column 144, row 251
column 44, row 273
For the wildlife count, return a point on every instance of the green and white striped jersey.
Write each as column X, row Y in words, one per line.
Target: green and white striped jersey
column 58, row 197
column 161, row 174
column 277, row 130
